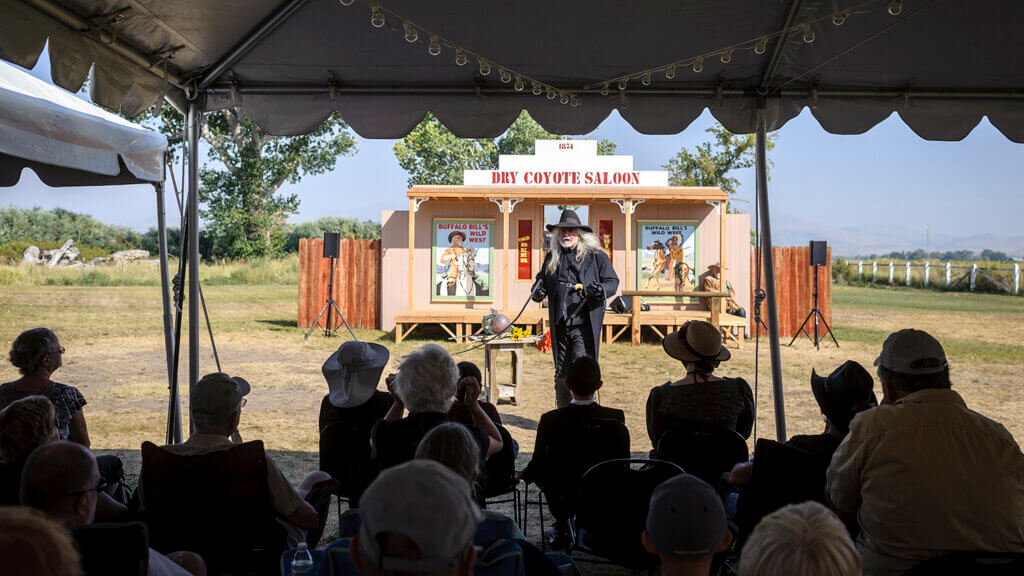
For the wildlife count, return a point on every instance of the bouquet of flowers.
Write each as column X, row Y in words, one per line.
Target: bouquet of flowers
column 544, row 344
column 520, row 333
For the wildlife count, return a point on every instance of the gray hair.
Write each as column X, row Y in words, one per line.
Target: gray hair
column 30, row 347
column 589, row 243
column 452, row 444
column 427, row 379
column 800, row 539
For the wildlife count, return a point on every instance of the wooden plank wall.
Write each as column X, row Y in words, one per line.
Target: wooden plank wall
column 794, row 286
column 356, row 282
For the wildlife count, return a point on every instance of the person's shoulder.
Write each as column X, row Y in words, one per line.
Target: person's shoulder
column 611, row 413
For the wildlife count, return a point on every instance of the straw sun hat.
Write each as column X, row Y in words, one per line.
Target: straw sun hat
column 695, row 341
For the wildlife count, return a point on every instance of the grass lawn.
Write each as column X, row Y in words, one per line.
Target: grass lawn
column 114, row 342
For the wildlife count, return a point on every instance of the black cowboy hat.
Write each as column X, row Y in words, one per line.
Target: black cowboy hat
column 569, row 220
column 844, row 393
column 452, row 235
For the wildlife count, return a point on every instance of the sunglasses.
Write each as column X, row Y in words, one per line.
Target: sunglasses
column 98, row 488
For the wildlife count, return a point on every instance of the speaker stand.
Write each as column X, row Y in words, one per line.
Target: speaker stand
column 329, row 306
column 817, row 315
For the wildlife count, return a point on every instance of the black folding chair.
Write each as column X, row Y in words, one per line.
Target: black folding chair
column 114, row 548
column 344, row 456
column 498, row 484
column 571, row 454
column 611, row 510
column 974, row 563
column 702, row 450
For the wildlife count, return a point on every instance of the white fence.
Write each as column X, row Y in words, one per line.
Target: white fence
column 1006, row 279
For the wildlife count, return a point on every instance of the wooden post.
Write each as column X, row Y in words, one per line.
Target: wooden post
column 629, row 284
column 892, row 269
column 908, row 273
column 949, row 271
column 412, row 247
column 721, row 255
column 927, row 273
column 1016, row 278
column 860, row 270
column 504, row 279
column 874, row 272
column 974, row 277
column 634, row 319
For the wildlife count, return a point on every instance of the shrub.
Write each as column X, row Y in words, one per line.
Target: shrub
column 347, row 227
column 58, row 225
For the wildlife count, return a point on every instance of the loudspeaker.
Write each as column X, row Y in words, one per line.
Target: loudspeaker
column 331, row 244
column 622, row 304
column 819, row 253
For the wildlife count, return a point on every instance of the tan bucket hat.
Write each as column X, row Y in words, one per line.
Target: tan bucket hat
column 695, row 341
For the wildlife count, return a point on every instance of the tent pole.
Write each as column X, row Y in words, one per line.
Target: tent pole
column 769, row 272
column 173, row 421
column 193, row 249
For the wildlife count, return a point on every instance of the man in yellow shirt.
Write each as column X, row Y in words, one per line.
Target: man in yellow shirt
column 452, row 254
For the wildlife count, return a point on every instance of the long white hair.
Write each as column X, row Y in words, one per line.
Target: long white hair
column 589, row 243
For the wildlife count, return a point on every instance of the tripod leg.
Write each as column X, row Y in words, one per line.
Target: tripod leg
column 829, row 329
column 342, row 316
column 317, row 321
column 801, row 329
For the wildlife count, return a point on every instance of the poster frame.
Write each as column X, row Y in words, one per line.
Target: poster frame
column 638, row 271
column 434, row 297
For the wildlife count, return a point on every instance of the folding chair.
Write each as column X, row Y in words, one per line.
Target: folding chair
column 499, row 480
column 345, row 455
column 571, row 454
column 217, row 505
column 611, row 511
column 702, row 450
column 115, row 548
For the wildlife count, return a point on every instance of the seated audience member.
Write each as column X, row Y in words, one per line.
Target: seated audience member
column 713, row 283
column 700, row 396
column 354, row 404
column 216, row 406
column 459, row 412
column 30, row 543
column 547, row 468
column 37, row 354
column 417, row 518
column 24, row 426
column 62, row 480
column 686, row 526
column 426, row 383
column 922, row 474
column 800, row 539
column 841, row 395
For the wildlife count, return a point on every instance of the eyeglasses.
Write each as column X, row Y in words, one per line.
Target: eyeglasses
column 242, row 403
column 98, row 488
column 60, row 350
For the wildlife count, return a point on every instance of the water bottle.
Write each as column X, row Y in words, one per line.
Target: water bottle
column 302, row 562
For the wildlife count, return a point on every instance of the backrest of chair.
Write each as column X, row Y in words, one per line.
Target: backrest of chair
column 213, row 504
column 575, row 450
column 500, row 558
column 974, row 563
column 702, row 450
column 612, row 507
column 345, row 455
column 500, row 469
column 489, row 530
column 115, row 548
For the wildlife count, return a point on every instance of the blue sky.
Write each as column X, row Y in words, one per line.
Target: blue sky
column 873, row 192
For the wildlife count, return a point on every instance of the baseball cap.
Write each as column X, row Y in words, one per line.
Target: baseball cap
column 686, row 517
column 426, row 502
column 218, row 395
column 912, row 351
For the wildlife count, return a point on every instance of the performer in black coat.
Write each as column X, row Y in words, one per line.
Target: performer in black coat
column 577, row 278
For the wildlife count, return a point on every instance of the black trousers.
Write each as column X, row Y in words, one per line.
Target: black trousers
column 574, row 343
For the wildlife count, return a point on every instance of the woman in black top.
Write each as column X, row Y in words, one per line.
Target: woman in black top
column 700, row 396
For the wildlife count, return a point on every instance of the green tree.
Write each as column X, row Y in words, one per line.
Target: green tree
column 710, row 163
column 431, row 154
column 243, row 209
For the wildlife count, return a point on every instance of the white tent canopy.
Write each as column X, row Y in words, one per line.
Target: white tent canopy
column 67, row 141
column 942, row 65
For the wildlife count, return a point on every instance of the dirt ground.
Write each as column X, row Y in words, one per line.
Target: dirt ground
column 115, row 356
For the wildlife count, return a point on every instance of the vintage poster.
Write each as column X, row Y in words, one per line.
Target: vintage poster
column 461, row 258
column 666, row 256
column 524, row 249
column 605, row 231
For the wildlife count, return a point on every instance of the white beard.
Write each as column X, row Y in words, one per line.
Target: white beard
column 566, row 243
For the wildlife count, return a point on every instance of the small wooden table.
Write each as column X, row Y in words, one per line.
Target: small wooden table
column 492, row 390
